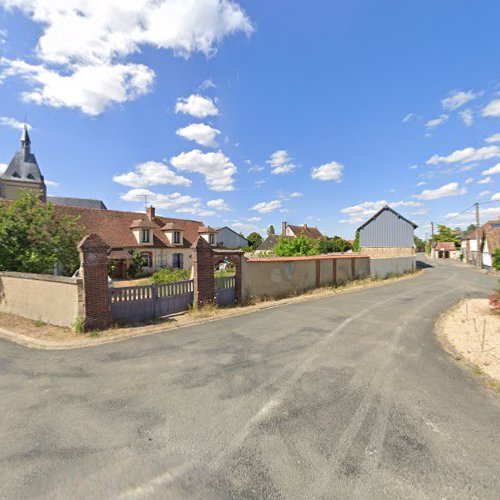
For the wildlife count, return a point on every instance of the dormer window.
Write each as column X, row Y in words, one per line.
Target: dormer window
column 30, row 176
column 16, row 175
column 145, row 235
column 177, row 237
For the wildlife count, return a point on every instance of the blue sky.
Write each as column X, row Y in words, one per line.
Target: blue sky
column 249, row 113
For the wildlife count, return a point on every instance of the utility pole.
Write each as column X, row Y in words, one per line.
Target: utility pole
column 479, row 256
column 432, row 230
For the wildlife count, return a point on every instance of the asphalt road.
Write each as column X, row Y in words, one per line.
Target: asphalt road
column 344, row 397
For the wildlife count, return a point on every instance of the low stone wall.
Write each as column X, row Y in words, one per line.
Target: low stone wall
column 381, row 268
column 52, row 299
column 282, row 276
column 387, row 252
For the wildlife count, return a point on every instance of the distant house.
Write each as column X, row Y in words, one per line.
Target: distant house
column 268, row 244
column 444, row 250
column 489, row 241
column 228, row 238
column 295, row 231
column 387, row 234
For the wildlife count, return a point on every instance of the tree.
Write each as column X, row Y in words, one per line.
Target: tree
column 335, row 244
column 419, row 244
column 270, row 230
column 496, row 259
column 255, row 239
column 33, row 239
column 356, row 247
column 470, row 227
column 295, row 247
column 445, row 233
column 138, row 262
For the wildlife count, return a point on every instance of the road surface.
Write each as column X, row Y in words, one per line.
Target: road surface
column 341, row 397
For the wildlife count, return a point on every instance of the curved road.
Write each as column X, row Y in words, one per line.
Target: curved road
column 342, row 397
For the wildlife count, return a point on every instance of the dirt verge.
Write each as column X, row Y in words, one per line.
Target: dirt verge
column 470, row 331
column 43, row 336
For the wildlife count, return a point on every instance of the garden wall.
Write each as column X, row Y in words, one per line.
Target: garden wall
column 381, row 268
column 52, row 299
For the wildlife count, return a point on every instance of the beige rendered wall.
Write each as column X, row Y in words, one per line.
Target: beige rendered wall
column 326, row 270
column 388, row 252
column 51, row 299
column 276, row 278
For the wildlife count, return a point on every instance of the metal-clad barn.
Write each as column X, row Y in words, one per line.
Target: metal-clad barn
column 228, row 238
column 387, row 228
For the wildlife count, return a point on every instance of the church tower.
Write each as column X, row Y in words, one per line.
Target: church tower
column 23, row 173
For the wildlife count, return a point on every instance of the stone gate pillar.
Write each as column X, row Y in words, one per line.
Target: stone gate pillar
column 94, row 273
column 204, row 282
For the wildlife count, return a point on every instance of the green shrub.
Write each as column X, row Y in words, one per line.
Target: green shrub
column 170, row 275
column 496, row 259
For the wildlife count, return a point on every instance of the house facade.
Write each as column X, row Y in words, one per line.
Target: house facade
column 387, row 234
column 295, row 231
column 481, row 244
column 444, row 250
column 228, row 238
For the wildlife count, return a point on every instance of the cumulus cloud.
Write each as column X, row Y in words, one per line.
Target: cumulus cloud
column 451, row 189
column 492, row 171
column 82, row 40
column 467, row 117
column 409, row 117
column 196, row 105
column 218, row 204
column 493, row 138
column 492, row 109
column 357, row 214
column 496, row 197
column 469, row 217
column 458, row 99
column 436, row 122
column 91, row 88
column 266, row 207
column 204, row 135
column 3, row 168
column 53, row 184
column 217, row 168
column 8, row 121
column 486, row 180
column 467, row 155
column 328, row 172
column 151, row 173
column 469, row 180
column 281, row 163
column 254, row 219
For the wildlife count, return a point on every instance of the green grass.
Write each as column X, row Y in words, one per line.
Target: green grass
column 39, row 323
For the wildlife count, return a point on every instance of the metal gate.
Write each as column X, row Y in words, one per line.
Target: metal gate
column 225, row 291
column 139, row 303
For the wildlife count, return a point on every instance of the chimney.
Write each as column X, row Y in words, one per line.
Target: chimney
column 151, row 213
column 305, row 226
column 283, row 228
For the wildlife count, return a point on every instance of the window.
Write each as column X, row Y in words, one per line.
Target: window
column 145, row 236
column 147, row 259
column 177, row 237
column 212, row 238
column 177, row 261
column 16, row 175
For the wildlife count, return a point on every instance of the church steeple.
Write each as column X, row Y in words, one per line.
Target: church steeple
column 25, row 142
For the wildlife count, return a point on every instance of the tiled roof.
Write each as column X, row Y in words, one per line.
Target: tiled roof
column 310, row 232
column 445, row 245
column 76, row 202
column 206, row 229
column 113, row 226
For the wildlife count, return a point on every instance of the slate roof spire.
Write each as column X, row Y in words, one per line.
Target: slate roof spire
column 25, row 142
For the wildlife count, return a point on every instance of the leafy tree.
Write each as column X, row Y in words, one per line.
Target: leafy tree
column 33, row 239
column 356, row 247
column 496, row 259
column 445, row 233
column 270, row 230
column 470, row 227
column 419, row 244
column 138, row 262
column 255, row 239
column 295, row 247
column 335, row 244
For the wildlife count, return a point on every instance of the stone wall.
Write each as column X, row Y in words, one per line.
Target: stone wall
column 52, row 299
column 382, row 268
column 387, row 252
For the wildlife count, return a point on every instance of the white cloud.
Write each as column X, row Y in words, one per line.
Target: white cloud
column 91, row 89
column 207, row 84
column 151, row 173
column 492, row 109
column 451, row 189
column 470, row 217
column 486, row 180
column 216, row 167
column 329, row 172
column 82, row 41
column 493, row 138
column 218, row 204
column 482, row 194
column 492, row 171
column 53, row 184
column 3, row 168
column 357, row 214
column 295, row 194
column 204, row 135
column 267, row 207
column 467, row 155
column 421, row 183
column 436, row 122
column 458, row 99
column 413, row 167
column 409, row 117
column 3, row 36
column 467, row 117
column 197, row 106
column 281, row 163
column 254, row 219
column 8, row 121
column 495, row 197
column 469, row 180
